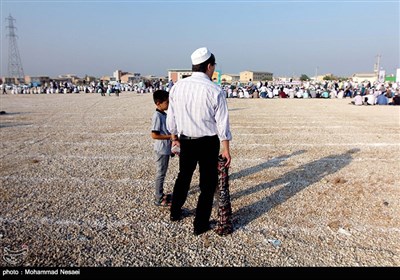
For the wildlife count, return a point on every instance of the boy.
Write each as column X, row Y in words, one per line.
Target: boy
column 162, row 146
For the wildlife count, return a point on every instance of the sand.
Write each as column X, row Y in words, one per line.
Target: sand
column 77, row 185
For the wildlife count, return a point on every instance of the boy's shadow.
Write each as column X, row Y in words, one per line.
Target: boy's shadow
column 294, row 181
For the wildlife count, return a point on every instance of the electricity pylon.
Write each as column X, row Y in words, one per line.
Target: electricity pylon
column 15, row 69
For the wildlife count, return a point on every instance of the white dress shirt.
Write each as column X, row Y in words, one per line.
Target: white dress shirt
column 197, row 108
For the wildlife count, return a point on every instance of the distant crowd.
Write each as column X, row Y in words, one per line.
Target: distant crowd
column 364, row 93
column 100, row 86
column 386, row 93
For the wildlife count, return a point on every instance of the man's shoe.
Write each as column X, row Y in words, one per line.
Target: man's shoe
column 175, row 217
column 200, row 230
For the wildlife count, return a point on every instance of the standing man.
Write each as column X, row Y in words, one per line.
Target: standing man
column 198, row 113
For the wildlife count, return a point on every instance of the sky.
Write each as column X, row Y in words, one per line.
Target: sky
column 287, row 38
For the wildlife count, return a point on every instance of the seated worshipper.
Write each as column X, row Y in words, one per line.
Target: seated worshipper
column 255, row 94
column 270, row 94
column 334, row 93
column 241, row 94
column 357, row 99
column 230, row 93
column 246, row 93
column 281, row 93
column 382, row 99
column 299, row 93
column 291, row 92
column 396, row 98
column 369, row 99
column 263, row 91
column 325, row 94
column 275, row 91
column 234, row 93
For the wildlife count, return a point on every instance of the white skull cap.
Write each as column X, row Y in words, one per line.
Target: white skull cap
column 200, row 55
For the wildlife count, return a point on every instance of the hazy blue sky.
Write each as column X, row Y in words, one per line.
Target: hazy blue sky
column 283, row 37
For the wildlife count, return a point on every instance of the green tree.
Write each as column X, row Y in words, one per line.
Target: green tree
column 304, row 77
column 328, row 78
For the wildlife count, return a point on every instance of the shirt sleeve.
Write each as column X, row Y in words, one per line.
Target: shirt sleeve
column 171, row 123
column 156, row 123
column 222, row 118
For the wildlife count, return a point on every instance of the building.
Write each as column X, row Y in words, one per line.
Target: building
column 130, row 78
column 178, row 74
column 117, row 75
column 88, row 79
column 12, row 81
column 125, row 77
column 361, row 77
column 37, row 81
column 230, row 78
column 255, row 76
column 107, row 78
column 68, row 78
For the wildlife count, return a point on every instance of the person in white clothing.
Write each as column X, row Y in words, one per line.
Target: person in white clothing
column 357, row 100
column 198, row 113
column 369, row 99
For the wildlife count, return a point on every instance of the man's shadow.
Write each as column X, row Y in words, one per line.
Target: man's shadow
column 293, row 181
column 271, row 163
column 274, row 162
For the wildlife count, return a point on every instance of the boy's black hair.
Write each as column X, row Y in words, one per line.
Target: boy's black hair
column 159, row 96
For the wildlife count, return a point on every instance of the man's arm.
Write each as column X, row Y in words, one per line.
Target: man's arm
column 225, row 152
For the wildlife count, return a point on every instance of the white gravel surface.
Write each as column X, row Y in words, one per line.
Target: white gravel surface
column 77, row 175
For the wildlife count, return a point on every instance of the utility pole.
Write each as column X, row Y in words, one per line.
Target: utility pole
column 15, row 69
column 377, row 64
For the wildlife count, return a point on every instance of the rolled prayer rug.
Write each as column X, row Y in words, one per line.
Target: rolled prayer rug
column 224, row 223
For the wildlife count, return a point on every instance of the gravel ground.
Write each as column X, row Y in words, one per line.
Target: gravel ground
column 76, row 185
